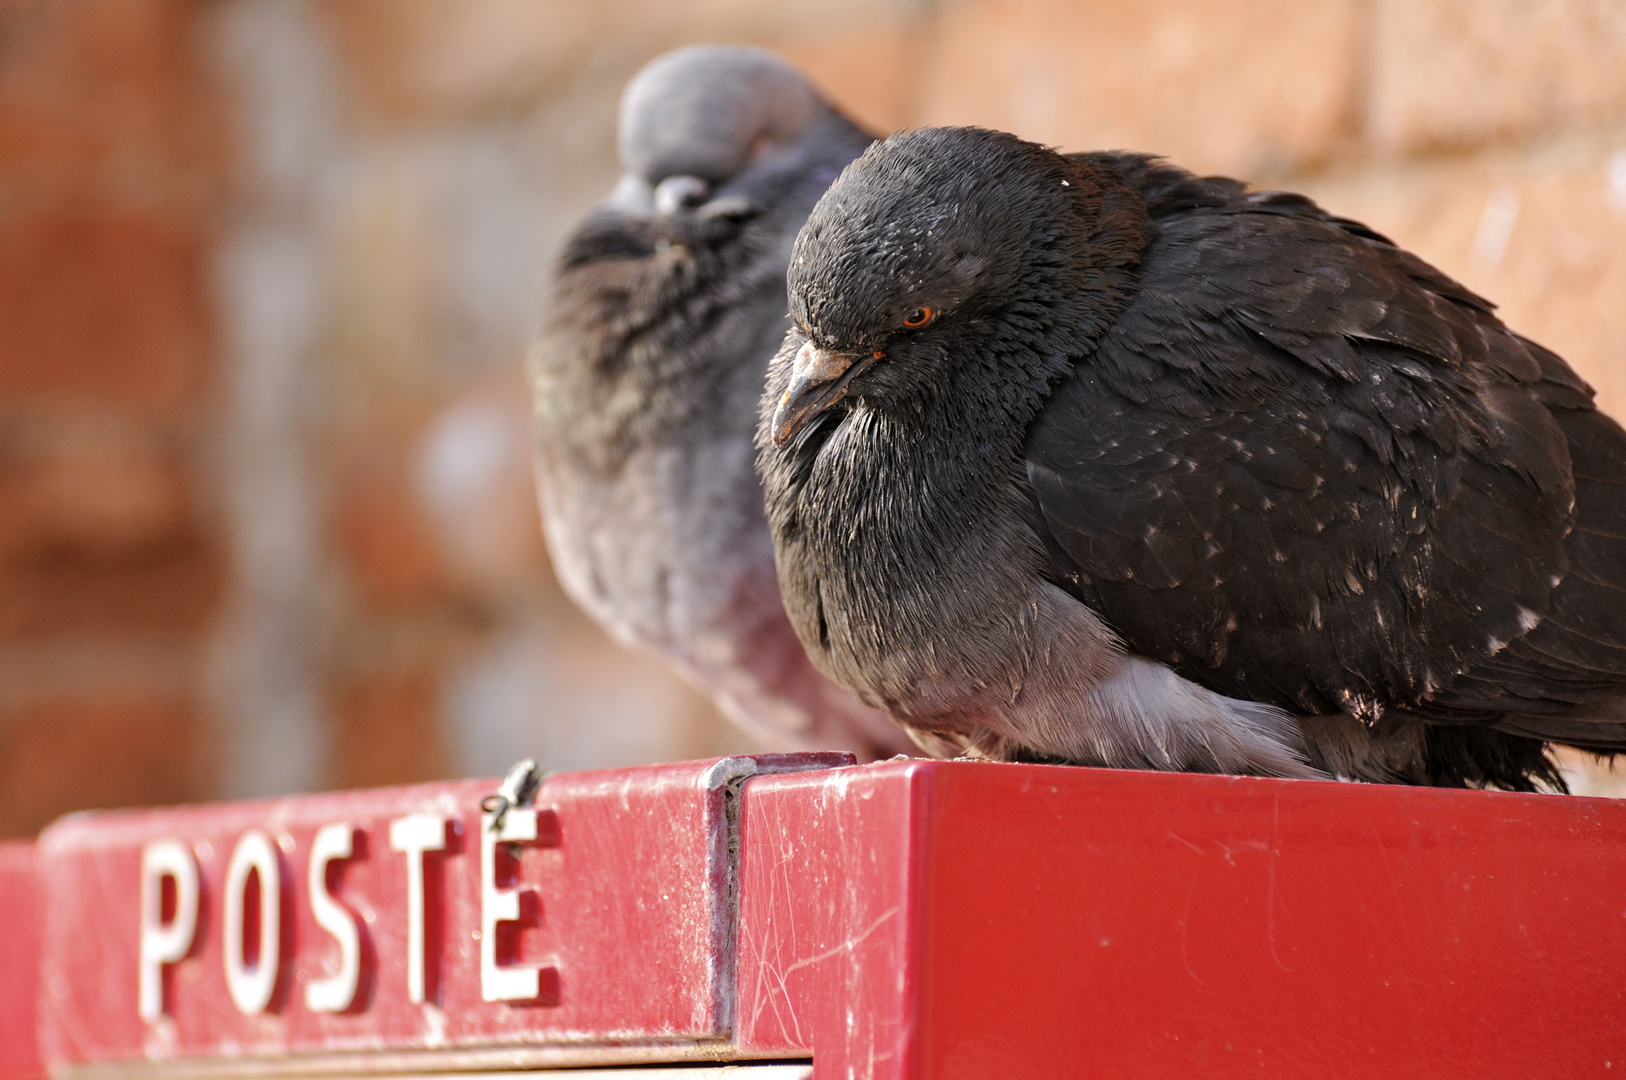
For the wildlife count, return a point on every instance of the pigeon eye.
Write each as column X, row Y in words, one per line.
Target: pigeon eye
column 919, row 317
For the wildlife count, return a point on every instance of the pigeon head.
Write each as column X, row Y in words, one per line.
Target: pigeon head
column 944, row 251
column 696, row 118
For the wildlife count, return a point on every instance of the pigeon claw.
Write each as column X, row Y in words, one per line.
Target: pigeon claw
column 819, row 378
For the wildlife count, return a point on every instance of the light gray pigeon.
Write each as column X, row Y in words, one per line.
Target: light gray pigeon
column 663, row 311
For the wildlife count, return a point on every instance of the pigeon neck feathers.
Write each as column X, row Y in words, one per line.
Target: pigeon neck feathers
column 656, row 320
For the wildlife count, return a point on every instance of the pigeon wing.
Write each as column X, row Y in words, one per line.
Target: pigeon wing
column 1306, row 468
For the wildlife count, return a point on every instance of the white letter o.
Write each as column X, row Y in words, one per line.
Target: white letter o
column 251, row 989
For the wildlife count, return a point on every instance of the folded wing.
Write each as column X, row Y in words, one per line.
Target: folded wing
column 1306, row 468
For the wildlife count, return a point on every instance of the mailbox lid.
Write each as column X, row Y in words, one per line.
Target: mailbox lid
column 935, row 919
column 624, row 908
column 1230, row 926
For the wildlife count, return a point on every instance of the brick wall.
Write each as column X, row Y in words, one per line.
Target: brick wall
column 111, row 556
column 267, row 269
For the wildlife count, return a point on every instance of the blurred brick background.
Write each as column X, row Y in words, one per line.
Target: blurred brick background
column 268, row 267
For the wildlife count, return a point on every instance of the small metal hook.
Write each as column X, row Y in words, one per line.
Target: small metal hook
column 518, row 788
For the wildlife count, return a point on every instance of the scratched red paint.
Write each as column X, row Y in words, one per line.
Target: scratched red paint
column 1055, row 922
column 906, row 921
column 828, row 914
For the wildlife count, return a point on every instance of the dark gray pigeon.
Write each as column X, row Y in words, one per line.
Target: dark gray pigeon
column 1087, row 459
column 664, row 309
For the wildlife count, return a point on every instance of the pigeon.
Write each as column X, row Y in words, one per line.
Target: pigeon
column 1087, row 459
column 662, row 313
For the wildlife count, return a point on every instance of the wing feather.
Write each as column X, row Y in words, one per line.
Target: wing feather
column 1306, row 468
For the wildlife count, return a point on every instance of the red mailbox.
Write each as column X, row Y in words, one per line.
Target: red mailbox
column 19, row 962
column 898, row 921
column 956, row 919
column 401, row 928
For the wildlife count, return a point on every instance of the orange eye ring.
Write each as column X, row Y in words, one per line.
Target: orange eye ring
column 919, row 317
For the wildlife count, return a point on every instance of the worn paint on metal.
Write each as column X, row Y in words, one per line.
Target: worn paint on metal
column 1043, row 921
column 615, row 910
column 899, row 921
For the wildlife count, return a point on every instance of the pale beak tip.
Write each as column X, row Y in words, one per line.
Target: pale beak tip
column 783, row 429
column 819, row 380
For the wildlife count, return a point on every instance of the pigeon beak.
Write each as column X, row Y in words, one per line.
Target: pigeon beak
column 680, row 193
column 818, row 380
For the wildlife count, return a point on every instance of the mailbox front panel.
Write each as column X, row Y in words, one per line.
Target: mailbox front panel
column 271, row 930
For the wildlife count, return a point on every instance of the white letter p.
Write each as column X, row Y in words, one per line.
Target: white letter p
column 164, row 943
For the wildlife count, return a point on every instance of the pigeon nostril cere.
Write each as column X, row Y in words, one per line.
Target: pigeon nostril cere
column 679, row 192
